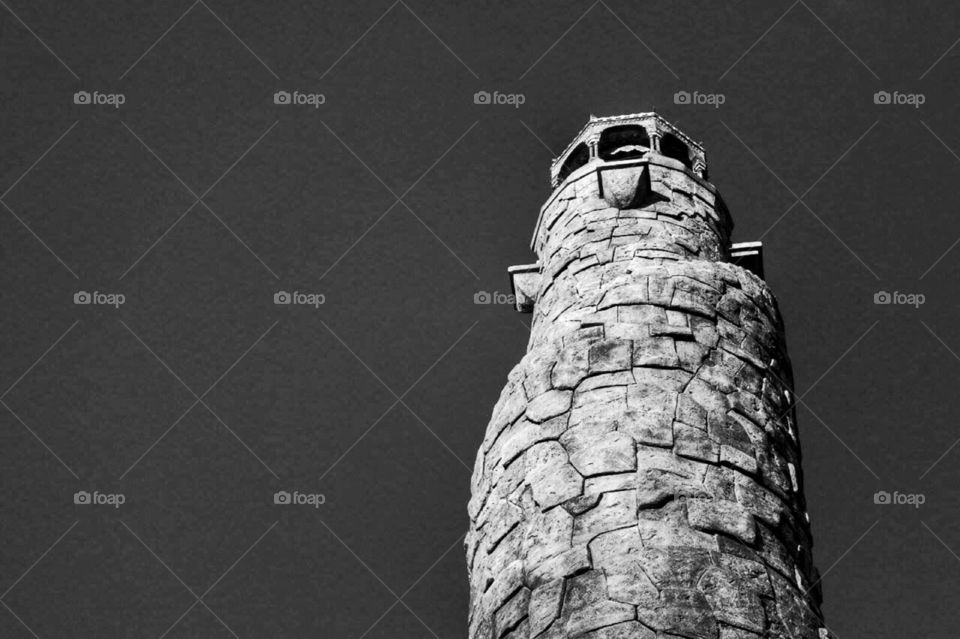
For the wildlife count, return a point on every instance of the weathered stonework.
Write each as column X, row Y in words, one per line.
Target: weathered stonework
column 640, row 476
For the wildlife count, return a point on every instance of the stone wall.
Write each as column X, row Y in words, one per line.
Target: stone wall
column 640, row 476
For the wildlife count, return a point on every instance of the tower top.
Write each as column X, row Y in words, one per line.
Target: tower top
column 624, row 137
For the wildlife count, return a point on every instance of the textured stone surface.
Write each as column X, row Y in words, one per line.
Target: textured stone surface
column 640, row 475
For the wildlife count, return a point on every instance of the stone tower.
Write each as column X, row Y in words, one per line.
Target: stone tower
column 640, row 476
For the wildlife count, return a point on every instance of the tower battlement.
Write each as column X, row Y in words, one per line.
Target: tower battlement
column 621, row 137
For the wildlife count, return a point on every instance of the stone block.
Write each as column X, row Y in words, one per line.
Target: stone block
column 663, row 476
column 571, row 367
column 598, row 398
column 512, row 404
column 624, row 295
column 549, row 404
column 732, row 632
column 626, row 331
column 706, row 394
column 581, row 504
column 691, row 355
column 547, row 535
column 690, row 411
column 670, row 379
column 615, row 510
column 690, row 441
column 657, row 352
column 503, row 554
column 704, row 331
column 721, row 515
column 609, row 483
column 505, row 583
column 550, row 475
column 598, row 409
column 648, row 417
column 524, row 434
column 512, row 613
column 538, row 380
column 751, row 574
column 624, row 630
column 545, row 605
column 738, row 459
column 671, row 330
column 644, row 314
column 570, row 562
column 758, row 500
column 619, row 554
column 732, row 601
column 598, row 615
column 684, row 612
column 595, row 452
column 693, row 297
column 502, row 519
column 606, row 380
column 729, row 431
column 648, row 428
column 609, row 355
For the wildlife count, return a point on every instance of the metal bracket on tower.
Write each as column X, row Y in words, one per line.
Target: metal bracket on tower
column 525, row 280
column 748, row 255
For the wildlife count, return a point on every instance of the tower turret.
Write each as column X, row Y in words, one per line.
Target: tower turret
column 640, row 475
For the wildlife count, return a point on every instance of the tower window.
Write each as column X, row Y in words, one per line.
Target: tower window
column 623, row 142
column 672, row 147
column 577, row 158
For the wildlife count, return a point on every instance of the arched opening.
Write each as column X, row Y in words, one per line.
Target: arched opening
column 672, row 147
column 623, row 142
column 577, row 158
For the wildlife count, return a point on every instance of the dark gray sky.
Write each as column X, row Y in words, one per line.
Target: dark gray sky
column 399, row 199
